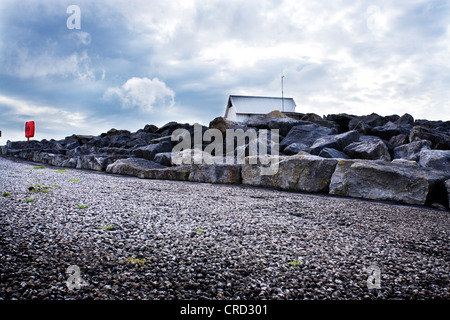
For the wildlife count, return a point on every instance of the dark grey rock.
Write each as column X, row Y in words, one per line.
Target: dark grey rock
column 387, row 181
column 363, row 123
column 315, row 118
column 342, row 119
column 399, row 140
column 439, row 139
column 216, row 173
column 371, row 149
column 338, row 142
column 411, row 150
column 333, row 153
column 149, row 152
column 305, row 135
column 435, row 159
column 164, row 158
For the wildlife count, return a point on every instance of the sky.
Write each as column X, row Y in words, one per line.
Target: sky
column 125, row 64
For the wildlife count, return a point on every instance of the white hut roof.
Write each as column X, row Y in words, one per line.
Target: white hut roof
column 260, row 105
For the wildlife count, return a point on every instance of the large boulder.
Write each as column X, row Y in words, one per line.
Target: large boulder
column 369, row 149
column 338, row 142
column 439, row 139
column 180, row 173
column 220, row 124
column 435, row 159
column 170, row 127
column 95, row 162
column 216, row 173
column 301, row 172
column 411, row 150
column 379, row 180
column 389, row 130
column 365, row 123
column 312, row 117
column 303, row 136
column 149, row 152
column 132, row 166
column 342, row 119
column 399, row 140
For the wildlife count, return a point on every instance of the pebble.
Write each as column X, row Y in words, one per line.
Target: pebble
column 182, row 240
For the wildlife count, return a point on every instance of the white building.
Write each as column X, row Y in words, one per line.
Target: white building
column 240, row 108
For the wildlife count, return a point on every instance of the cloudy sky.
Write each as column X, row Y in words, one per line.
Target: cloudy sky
column 137, row 62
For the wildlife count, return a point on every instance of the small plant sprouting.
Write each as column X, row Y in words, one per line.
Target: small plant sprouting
column 200, row 230
column 61, row 170
column 74, row 180
column 139, row 261
column 29, row 200
column 295, row 262
column 83, row 206
column 108, row 227
column 40, row 188
column 6, row 194
column 39, row 167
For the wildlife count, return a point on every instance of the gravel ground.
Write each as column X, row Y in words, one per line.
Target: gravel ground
column 149, row 239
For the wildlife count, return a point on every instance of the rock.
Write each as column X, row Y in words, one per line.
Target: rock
column 220, row 124
column 333, row 153
column 405, row 120
column 170, row 127
column 114, row 132
column 435, row 159
column 300, row 172
column 389, row 130
column 399, row 140
column 405, row 162
column 411, row 150
column 132, row 166
column 338, row 142
column 314, row 118
column 304, row 136
column 370, row 149
column 363, row 123
column 277, row 114
column 164, row 158
column 149, row 152
column 83, row 139
column 216, row 173
column 434, row 125
column 439, row 139
column 342, row 119
column 387, row 181
column 150, row 128
column 180, row 173
column 94, row 162
column 193, row 156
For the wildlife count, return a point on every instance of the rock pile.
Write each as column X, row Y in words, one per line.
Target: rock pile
column 394, row 158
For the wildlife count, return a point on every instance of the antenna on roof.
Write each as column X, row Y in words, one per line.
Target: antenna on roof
column 282, row 93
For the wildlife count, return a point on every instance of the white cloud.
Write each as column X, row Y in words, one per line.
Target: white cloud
column 142, row 93
column 82, row 37
column 28, row 65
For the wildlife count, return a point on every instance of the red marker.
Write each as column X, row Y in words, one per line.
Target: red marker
column 29, row 129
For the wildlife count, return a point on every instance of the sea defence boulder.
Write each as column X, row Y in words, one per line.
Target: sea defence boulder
column 378, row 180
column 302, row 172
